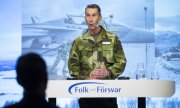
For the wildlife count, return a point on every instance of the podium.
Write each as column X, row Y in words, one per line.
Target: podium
column 111, row 88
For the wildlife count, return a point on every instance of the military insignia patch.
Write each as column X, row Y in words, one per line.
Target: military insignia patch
column 106, row 43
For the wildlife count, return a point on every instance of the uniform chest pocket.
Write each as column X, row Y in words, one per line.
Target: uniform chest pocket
column 108, row 54
column 85, row 54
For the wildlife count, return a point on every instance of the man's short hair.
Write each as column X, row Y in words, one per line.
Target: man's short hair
column 31, row 71
column 94, row 6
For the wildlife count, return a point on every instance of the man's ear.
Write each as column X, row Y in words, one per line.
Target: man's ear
column 100, row 18
column 19, row 81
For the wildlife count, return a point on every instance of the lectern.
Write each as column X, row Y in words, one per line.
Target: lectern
column 111, row 88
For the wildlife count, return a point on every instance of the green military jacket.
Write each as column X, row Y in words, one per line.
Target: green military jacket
column 86, row 53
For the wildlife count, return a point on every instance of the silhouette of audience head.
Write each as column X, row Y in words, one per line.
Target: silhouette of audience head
column 31, row 72
column 32, row 76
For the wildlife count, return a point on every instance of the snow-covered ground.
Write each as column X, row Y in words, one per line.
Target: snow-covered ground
column 165, row 72
column 9, row 90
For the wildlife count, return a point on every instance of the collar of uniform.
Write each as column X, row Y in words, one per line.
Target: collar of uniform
column 103, row 35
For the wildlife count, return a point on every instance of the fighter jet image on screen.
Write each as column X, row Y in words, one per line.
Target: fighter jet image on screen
column 43, row 35
column 53, row 39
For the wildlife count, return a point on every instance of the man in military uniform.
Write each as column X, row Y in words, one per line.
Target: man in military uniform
column 96, row 54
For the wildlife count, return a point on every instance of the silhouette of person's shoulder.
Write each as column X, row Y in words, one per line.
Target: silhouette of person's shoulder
column 32, row 76
column 37, row 104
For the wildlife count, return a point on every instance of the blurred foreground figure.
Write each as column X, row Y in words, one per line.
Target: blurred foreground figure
column 32, row 76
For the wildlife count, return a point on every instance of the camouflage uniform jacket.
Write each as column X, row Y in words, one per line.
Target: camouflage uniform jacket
column 86, row 53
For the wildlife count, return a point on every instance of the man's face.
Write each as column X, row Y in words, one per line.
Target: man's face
column 92, row 18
